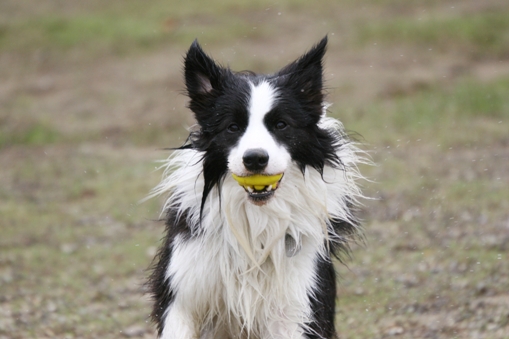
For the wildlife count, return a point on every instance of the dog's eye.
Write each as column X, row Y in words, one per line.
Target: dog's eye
column 233, row 128
column 281, row 124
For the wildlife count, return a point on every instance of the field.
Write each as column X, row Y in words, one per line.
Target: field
column 91, row 92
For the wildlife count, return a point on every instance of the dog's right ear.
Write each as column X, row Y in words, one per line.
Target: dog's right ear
column 202, row 74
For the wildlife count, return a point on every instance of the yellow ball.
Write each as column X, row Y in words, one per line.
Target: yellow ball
column 258, row 181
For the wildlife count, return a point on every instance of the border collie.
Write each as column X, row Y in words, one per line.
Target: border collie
column 260, row 200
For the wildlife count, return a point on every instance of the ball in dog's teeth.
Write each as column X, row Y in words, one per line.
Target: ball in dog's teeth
column 259, row 182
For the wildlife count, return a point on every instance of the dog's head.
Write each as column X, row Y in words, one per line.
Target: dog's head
column 255, row 126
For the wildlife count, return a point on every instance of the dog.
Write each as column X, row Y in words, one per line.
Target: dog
column 261, row 198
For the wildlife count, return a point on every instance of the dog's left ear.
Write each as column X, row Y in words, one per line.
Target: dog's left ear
column 304, row 76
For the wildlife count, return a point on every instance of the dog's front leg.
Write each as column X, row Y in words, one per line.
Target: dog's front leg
column 179, row 324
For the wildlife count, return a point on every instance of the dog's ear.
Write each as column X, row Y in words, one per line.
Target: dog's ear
column 304, row 76
column 202, row 74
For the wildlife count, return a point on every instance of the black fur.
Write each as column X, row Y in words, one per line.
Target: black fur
column 219, row 98
column 323, row 301
column 158, row 284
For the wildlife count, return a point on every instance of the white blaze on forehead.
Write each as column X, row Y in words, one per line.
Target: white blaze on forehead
column 262, row 100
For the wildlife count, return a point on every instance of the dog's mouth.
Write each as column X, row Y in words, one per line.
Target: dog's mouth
column 260, row 188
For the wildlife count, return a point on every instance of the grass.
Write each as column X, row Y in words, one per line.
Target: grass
column 30, row 134
column 480, row 34
column 95, row 33
column 436, row 111
column 100, row 34
column 69, row 32
column 128, row 26
column 95, row 29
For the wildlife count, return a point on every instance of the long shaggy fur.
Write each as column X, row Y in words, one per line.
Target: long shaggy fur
column 223, row 270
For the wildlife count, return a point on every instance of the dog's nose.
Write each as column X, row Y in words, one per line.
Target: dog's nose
column 256, row 159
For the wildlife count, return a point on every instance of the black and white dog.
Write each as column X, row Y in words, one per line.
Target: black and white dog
column 260, row 200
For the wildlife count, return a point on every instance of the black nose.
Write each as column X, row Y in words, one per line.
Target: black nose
column 256, row 159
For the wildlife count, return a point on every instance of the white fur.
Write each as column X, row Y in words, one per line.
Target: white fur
column 261, row 102
column 234, row 277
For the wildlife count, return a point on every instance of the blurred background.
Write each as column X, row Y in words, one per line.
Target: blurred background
column 91, row 91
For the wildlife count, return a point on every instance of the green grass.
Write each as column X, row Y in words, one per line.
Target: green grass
column 481, row 34
column 456, row 114
column 29, row 134
column 95, row 32
column 125, row 27
column 130, row 26
column 120, row 35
